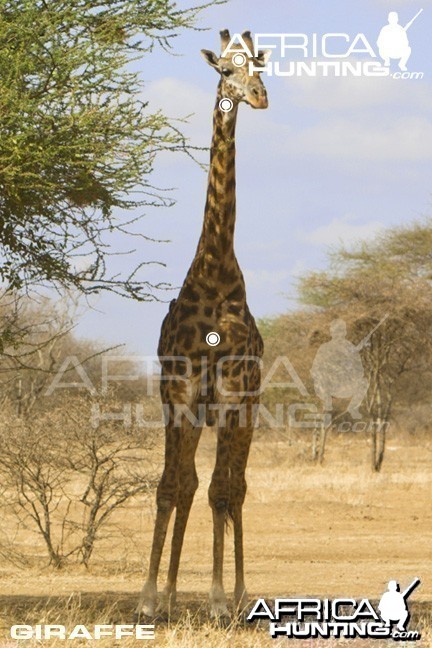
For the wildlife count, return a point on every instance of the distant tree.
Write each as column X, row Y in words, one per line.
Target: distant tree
column 389, row 278
column 36, row 338
column 78, row 140
column 41, row 360
column 294, row 338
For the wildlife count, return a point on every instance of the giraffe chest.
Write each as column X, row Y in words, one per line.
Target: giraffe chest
column 187, row 325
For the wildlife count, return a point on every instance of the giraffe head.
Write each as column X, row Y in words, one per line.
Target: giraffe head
column 236, row 82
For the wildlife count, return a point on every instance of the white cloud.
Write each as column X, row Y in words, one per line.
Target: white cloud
column 343, row 230
column 342, row 94
column 398, row 127
column 299, row 268
column 394, row 4
column 174, row 95
column 267, row 290
column 366, row 118
column 407, row 139
column 178, row 99
column 268, row 280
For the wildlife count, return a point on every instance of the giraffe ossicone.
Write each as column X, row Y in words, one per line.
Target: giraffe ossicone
column 212, row 299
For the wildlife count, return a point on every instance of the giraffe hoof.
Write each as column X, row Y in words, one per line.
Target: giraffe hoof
column 145, row 611
column 143, row 615
column 167, row 602
column 147, row 602
column 219, row 610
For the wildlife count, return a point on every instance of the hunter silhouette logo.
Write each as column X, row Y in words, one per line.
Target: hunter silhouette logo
column 338, row 371
column 393, row 41
column 341, row 618
column 393, row 604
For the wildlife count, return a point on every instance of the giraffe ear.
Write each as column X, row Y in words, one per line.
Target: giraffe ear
column 263, row 56
column 211, row 58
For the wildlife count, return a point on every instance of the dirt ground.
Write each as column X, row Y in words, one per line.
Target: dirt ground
column 323, row 531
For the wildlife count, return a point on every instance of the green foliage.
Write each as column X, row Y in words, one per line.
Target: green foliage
column 266, row 326
column 78, row 142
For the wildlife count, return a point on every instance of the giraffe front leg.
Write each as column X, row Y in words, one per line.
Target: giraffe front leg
column 148, row 598
column 217, row 597
column 238, row 460
column 219, row 501
column 166, row 499
column 188, row 484
column 240, row 593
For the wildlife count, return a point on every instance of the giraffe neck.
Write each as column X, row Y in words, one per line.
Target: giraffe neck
column 217, row 238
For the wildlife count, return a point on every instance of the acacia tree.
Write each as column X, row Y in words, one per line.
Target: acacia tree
column 78, row 142
column 384, row 284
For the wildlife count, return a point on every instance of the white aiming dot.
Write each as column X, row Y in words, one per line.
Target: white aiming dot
column 212, row 338
column 225, row 104
column 239, row 60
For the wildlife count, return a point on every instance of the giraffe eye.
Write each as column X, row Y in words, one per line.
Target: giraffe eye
column 226, row 72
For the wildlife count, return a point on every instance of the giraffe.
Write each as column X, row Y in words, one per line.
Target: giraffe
column 224, row 378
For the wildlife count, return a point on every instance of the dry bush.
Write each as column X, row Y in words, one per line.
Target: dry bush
column 64, row 476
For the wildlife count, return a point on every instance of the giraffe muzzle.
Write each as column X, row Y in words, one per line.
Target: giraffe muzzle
column 257, row 99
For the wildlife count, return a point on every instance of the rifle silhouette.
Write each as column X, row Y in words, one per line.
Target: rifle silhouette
column 410, row 588
column 366, row 339
column 408, row 25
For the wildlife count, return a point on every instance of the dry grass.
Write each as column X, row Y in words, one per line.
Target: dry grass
column 310, row 531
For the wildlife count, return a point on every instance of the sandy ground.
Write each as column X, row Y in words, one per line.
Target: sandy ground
column 325, row 531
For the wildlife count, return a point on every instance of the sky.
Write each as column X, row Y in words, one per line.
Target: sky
column 331, row 161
